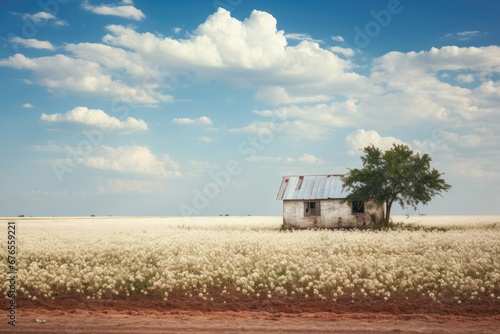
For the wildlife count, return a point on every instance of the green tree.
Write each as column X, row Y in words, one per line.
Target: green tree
column 396, row 175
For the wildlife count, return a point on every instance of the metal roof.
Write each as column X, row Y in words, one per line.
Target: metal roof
column 306, row 187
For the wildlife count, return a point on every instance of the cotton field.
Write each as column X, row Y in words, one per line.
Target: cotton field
column 451, row 222
column 222, row 258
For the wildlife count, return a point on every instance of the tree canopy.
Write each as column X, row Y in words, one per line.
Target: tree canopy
column 396, row 175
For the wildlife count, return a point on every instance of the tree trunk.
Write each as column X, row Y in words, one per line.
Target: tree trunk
column 387, row 214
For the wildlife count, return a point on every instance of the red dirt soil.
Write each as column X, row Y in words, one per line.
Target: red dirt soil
column 143, row 315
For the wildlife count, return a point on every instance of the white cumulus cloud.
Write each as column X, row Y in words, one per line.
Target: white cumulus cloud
column 19, row 62
column 33, row 43
column 116, row 59
column 346, row 52
column 310, row 159
column 63, row 73
column 96, row 118
column 125, row 10
column 131, row 159
column 302, row 37
column 223, row 46
column 41, row 18
column 338, row 38
column 464, row 35
column 316, row 120
column 137, row 66
column 479, row 168
column 279, row 95
column 465, row 78
column 362, row 138
column 203, row 120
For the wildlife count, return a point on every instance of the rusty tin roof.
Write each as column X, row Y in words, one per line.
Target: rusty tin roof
column 309, row 187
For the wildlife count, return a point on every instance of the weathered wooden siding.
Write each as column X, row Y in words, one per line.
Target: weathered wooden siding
column 334, row 214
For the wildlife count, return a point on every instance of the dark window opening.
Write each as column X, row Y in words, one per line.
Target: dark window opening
column 358, row 207
column 311, row 209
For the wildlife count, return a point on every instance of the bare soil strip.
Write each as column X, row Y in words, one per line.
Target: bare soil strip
column 142, row 315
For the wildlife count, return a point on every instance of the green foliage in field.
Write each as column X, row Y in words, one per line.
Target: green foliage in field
column 397, row 175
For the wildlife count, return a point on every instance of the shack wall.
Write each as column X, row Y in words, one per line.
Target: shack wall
column 333, row 214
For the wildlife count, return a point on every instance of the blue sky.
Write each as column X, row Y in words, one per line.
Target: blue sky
column 200, row 107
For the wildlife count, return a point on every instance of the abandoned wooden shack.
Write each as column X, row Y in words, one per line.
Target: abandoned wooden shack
column 317, row 201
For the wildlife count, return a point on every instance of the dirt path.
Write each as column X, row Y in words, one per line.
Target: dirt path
column 269, row 316
column 41, row 321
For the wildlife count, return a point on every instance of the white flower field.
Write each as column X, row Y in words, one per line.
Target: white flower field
column 222, row 258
